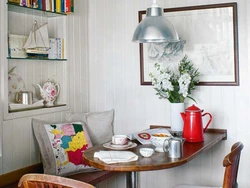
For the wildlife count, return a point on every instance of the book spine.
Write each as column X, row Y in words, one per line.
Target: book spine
column 50, row 5
column 48, row 8
column 63, row 56
column 67, row 6
column 39, row 2
column 54, row 5
column 28, row 3
column 58, row 5
column 44, row 5
column 14, row 1
column 35, row 3
column 23, row 3
column 63, row 6
column 72, row 6
column 60, row 52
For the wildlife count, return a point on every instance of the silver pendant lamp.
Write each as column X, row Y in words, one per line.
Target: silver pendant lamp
column 155, row 27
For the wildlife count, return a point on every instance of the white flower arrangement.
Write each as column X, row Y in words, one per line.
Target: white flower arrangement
column 175, row 86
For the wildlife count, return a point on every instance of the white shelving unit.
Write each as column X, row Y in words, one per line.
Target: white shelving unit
column 36, row 71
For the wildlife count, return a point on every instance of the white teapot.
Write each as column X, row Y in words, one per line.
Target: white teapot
column 49, row 92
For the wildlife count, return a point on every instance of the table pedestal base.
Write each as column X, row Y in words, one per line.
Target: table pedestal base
column 132, row 180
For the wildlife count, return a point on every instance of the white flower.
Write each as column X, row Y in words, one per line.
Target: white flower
column 175, row 86
column 184, row 82
column 167, row 85
column 157, row 86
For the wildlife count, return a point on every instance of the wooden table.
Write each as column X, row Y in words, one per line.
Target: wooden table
column 158, row 160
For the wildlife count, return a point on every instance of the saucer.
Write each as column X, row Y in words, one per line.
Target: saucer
column 109, row 145
column 121, row 146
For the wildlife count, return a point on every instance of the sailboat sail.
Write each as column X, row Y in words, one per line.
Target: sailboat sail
column 38, row 40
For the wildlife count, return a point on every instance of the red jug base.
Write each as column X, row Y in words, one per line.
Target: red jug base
column 194, row 140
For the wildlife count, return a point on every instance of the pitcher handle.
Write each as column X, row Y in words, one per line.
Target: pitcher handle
column 17, row 97
column 166, row 145
column 208, row 121
column 58, row 89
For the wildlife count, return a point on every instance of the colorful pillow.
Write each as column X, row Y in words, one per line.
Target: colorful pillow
column 99, row 124
column 61, row 146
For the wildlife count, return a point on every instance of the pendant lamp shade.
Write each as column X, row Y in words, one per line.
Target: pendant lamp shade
column 155, row 28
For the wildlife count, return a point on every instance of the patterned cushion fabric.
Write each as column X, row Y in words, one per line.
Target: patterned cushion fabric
column 99, row 124
column 61, row 146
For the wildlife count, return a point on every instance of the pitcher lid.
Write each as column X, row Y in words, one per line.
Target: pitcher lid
column 193, row 108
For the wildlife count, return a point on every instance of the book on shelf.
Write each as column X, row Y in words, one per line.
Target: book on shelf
column 144, row 137
column 60, row 48
column 62, row 5
column 72, row 6
column 52, row 5
column 28, row 3
column 56, row 50
column 58, row 6
column 48, row 5
column 34, row 3
column 39, row 2
column 23, row 3
column 67, row 6
column 44, row 5
column 14, row 1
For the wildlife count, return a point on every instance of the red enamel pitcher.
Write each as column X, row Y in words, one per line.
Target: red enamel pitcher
column 193, row 127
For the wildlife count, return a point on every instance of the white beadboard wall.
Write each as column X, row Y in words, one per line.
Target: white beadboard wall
column 18, row 147
column 104, row 74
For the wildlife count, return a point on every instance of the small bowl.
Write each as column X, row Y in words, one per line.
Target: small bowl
column 158, row 140
column 146, row 152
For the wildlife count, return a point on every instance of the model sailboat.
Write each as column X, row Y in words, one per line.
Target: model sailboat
column 37, row 43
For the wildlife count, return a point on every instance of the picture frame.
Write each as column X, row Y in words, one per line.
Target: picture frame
column 208, row 36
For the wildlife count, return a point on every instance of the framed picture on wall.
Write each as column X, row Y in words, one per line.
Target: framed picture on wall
column 208, row 36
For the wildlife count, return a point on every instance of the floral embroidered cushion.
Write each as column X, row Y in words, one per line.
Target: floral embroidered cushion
column 99, row 124
column 61, row 146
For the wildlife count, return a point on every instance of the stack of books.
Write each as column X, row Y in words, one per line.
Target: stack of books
column 60, row 6
column 56, row 50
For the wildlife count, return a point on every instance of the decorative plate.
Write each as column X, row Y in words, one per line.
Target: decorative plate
column 121, row 146
column 109, row 145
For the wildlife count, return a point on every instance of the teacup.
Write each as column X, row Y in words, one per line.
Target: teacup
column 119, row 139
column 158, row 140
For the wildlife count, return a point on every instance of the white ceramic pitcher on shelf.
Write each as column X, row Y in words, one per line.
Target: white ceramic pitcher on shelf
column 49, row 92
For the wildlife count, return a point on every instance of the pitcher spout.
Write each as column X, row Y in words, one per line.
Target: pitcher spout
column 40, row 88
column 183, row 115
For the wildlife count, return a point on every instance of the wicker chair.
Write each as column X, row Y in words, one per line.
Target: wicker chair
column 50, row 181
